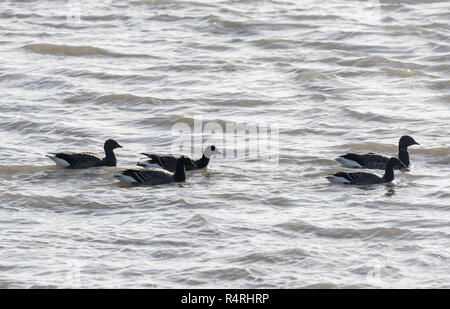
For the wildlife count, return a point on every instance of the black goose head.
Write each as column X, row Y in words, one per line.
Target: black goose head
column 111, row 145
column 406, row 141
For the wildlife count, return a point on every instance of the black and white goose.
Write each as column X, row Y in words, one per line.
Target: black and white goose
column 168, row 162
column 154, row 177
column 87, row 159
column 361, row 178
column 377, row 161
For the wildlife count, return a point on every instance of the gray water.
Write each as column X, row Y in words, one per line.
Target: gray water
column 331, row 76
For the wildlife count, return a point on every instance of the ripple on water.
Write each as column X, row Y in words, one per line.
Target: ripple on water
column 75, row 51
column 339, row 233
column 287, row 256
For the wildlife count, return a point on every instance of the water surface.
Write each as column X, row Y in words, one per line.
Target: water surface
column 333, row 76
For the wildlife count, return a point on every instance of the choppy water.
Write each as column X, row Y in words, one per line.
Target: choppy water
column 334, row 76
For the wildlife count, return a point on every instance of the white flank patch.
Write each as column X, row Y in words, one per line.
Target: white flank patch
column 125, row 178
column 335, row 179
column 59, row 161
column 348, row 163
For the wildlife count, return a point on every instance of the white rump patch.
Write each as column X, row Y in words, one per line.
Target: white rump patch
column 336, row 179
column 348, row 163
column 59, row 161
column 125, row 178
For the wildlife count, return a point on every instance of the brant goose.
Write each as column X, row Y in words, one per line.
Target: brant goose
column 376, row 161
column 155, row 177
column 87, row 159
column 367, row 178
column 168, row 162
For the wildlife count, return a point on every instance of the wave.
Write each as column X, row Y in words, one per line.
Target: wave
column 51, row 201
column 439, row 151
column 75, row 51
column 249, row 27
column 372, row 233
column 369, row 116
column 171, row 120
column 402, row 72
column 375, row 61
column 16, row 169
column 26, row 126
column 244, row 102
column 274, row 43
column 439, row 156
column 440, row 85
column 181, row 68
column 282, row 256
column 101, row 75
column 111, row 17
column 231, row 273
column 314, row 17
column 308, row 76
column 444, row 98
column 127, row 98
column 372, row 146
column 173, row 2
column 5, row 15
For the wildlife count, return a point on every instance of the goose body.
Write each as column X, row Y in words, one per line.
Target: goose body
column 362, row 178
column 87, row 159
column 377, row 161
column 168, row 162
column 154, row 177
column 369, row 161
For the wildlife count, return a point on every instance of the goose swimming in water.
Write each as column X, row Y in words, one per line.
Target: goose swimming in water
column 154, row 177
column 377, row 161
column 87, row 159
column 361, row 178
column 168, row 162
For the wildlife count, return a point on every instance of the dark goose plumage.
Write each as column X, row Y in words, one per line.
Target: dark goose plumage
column 154, row 177
column 87, row 159
column 168, row 162
column 377, row 161
column 361, row 178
